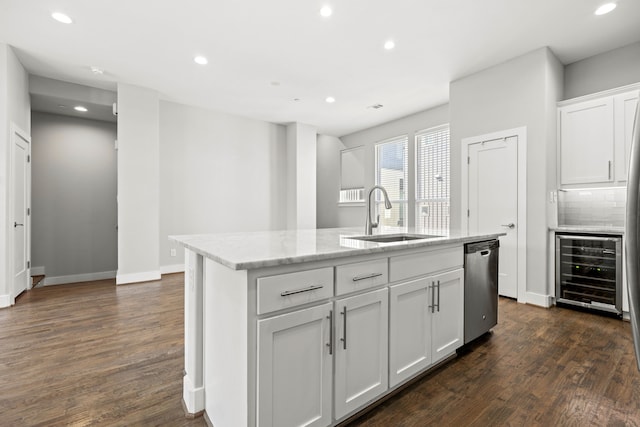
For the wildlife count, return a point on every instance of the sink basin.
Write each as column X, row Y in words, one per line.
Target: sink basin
column 390, row 238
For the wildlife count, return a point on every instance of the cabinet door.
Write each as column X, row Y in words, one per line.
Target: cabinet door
column 586, row 142
column 447, row 329
column 409, row 329
column 625, row 110
column 361, row 350
column 295, row 369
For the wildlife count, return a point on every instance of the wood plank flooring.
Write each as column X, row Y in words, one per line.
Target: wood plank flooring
column 97, row 354
column 539, row 367
column 94, row 354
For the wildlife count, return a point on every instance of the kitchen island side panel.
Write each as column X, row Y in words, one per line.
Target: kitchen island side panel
column 225, row 345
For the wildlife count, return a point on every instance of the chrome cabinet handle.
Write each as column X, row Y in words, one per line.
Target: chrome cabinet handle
column 330, row 343
column 609, row 174
column 366, row 276
column 299, row 291
column 510, row 225
column 438, row 296
column 433, row 297
column 15, row 224
column 344, row 327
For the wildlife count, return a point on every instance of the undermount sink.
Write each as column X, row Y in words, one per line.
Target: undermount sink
column 389, row 238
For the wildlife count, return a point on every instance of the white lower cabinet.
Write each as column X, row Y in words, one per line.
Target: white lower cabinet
column 447, row 326
column 361, row 371
column 295, row 369
column 426, row 321
column 410, row 329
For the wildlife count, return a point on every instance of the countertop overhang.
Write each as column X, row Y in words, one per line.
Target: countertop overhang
column 250, row 250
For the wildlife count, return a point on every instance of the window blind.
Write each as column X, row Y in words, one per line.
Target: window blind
column 391, row 173
column 433, row 180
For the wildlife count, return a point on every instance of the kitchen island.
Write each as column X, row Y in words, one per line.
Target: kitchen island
column 308, row 327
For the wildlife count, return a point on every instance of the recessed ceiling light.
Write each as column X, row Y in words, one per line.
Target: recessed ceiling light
column 201, row 60
column 330, row 99
column 61, row 17
column 605, row 8
column 62, row 106
column 326, row 11
column 80, row 108
column 96, row 70
column 389, row 44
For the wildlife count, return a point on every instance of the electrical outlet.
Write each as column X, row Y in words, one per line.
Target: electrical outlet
column 173, row 252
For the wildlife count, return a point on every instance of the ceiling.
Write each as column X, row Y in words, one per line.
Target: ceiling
column 279, row 60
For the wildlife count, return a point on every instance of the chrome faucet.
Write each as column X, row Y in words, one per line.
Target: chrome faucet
column 368, row 225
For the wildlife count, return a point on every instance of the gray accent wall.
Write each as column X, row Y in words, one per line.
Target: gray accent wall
column 73, row 197
column 608, row 70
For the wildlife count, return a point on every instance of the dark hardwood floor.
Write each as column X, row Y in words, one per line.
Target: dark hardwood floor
column 97, row 354
column 94, row 354
column 539, row 367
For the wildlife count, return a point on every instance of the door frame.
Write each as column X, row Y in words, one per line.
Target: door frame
column 17, row 132
column 521, row 134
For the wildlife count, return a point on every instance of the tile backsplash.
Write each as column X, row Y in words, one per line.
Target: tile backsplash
column 592, row 207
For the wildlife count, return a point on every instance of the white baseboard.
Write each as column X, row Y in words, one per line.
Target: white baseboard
column 145, row 276
column 174, row 268
column 539, row 299
column 37, row 271
column 76, row 278
column 5, row 301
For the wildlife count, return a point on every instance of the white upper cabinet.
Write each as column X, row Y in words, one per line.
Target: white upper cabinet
column 594, row 138
column 586, row 142
column 625, row 110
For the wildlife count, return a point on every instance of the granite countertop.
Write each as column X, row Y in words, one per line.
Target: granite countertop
column 589, row 229
column 248, row 250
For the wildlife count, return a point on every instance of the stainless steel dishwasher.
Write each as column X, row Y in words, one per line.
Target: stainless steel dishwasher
column 480, row 288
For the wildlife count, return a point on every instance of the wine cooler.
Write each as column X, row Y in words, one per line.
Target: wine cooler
column 589, row 272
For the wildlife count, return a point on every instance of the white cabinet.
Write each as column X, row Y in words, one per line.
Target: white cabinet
column 361, row 362
column 625, row 108
column 426, row 321
column 295, row 369
column 410, row 329
column 586, row 142
column 594, row 138
column 448, row 314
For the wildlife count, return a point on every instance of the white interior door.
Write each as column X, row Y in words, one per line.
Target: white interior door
column 493, row 202
column 20, row 199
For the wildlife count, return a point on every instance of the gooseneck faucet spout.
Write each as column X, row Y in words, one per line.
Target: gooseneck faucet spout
column 368, row 224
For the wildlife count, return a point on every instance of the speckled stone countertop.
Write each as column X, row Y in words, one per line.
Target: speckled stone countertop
column 248, row 250
column 588, row 229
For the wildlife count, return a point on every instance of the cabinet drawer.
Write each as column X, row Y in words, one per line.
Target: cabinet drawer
column 423, row 263
column 288, row 290
column 361, row 275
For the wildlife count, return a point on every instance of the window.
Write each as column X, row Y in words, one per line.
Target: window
column 391, row 173
column 432, row 181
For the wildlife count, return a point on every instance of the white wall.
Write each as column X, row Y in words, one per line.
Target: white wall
column 519, row 92
column 301, row 176
column 328, row 180
column 329, row 161
column 14, row 108
column 218, row 173
column 615, row 68
column 73, row 175
column 138, row 185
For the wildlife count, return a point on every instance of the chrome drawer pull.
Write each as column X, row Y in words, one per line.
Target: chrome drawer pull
column 366, row 276
column 330, row 343
column 299, row 291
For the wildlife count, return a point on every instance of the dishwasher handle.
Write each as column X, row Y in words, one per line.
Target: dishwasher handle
column 487, row 245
